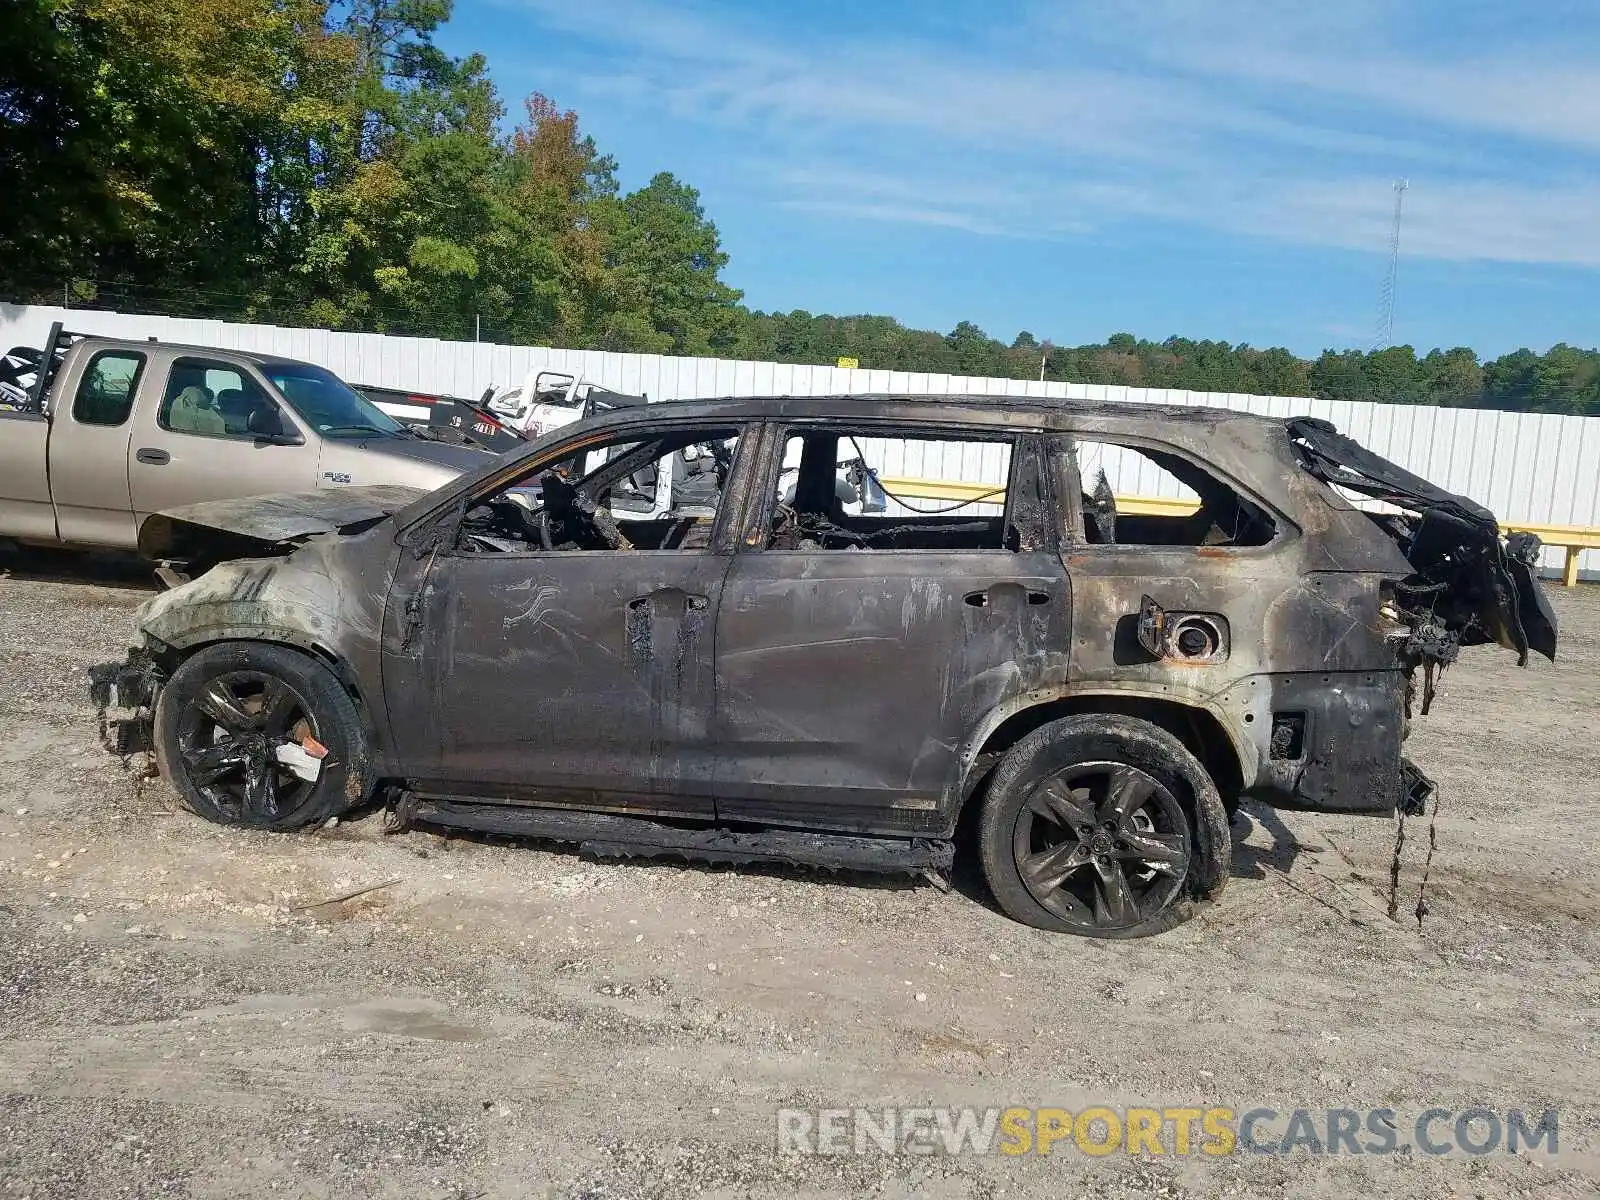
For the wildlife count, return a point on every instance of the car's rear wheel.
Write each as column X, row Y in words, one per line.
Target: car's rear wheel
column 1104, row 826
column 261, row 736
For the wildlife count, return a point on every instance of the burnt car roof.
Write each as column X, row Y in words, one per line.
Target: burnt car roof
column 895, row 404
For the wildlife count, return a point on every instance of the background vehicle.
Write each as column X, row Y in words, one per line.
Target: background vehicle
column 752, row 671
column 447, row 418
column 96, row 434
column 548, row 400
column 545, row 400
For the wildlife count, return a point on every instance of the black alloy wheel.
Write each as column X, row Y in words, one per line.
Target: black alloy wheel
column 1103, row 825
column 261, row 735
column 1102, row 845
column 229, row 737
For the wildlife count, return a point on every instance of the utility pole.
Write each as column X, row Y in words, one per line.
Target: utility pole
column 1044, row 357
column 1385, row 333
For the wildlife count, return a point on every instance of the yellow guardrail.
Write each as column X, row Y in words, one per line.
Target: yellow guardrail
column 993, row 493
column 1574, row 539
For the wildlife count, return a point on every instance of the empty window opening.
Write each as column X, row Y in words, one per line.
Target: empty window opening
column 845, row 490
column 1140, row 496
column 662, row 493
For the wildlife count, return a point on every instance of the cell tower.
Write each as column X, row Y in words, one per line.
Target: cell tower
column 1386, row 297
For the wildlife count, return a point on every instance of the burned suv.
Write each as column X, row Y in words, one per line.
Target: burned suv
column 750, row 629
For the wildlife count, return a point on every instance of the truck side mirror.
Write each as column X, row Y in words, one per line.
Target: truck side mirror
column 266, row 425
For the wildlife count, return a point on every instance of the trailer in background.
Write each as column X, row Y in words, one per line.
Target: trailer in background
column 504, row 417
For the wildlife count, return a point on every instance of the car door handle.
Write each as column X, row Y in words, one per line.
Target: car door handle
column 694, row 603
column 981, row 599
column 156, row 458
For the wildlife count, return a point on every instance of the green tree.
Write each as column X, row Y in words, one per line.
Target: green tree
column 1453, row 377
column 972, row 351
column 666, row 257
column 139, row 144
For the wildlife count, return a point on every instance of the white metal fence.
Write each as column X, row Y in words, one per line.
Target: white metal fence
column 1526, row 467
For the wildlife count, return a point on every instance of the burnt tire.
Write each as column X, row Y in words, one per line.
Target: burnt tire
column 1104, row 826
column 221, row 719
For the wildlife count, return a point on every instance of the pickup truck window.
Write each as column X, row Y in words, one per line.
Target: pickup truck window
column 216, row 399
column 105, row 395
column 331, row 406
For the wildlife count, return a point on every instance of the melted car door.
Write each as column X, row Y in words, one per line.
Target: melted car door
column 850, row 680
column 580, row 678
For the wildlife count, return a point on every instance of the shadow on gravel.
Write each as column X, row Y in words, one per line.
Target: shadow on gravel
column 855, row 879
column 102, row 568
column 1249, row 862
column 1252, row 862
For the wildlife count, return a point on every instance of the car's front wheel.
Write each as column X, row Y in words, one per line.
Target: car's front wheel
column 1104, row 826
column 259, row 735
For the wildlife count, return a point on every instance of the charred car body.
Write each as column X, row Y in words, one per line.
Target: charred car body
column 759, row 672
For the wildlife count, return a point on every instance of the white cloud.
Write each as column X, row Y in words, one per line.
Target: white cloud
column 1533, row 74
column 1505, row 222
column 899, row 214
column 1250, row 117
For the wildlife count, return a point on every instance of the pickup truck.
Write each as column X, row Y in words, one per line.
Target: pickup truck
column 98, row 434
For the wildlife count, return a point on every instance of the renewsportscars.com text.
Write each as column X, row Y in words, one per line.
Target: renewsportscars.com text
column 1211, row 1131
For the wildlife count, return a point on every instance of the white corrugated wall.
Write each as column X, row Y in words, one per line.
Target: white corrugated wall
column 1528, row 467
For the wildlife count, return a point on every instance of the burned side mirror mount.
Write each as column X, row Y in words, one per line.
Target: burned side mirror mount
column 863, row 482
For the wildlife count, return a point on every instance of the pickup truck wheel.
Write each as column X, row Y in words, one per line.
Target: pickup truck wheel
column 261, row 736
column 1104, row 826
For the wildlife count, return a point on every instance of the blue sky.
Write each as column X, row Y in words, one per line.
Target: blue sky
column 1212, row 168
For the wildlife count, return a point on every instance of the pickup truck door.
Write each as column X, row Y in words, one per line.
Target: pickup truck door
column 91, row 421
column 193, row 441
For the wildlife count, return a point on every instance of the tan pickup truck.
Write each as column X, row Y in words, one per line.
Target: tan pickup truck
column 97, row 434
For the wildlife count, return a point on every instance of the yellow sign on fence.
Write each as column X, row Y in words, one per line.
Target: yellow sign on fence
column 849, row 364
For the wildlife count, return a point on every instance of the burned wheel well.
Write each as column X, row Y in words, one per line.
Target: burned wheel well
column 1196, row 728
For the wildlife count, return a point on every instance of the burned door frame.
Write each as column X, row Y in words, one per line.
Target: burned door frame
column 790, row 759
column 560, row 738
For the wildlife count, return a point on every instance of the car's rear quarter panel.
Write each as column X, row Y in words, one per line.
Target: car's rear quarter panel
column 1306, row 633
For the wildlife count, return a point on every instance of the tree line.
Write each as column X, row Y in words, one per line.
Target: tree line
column 326, row 164
column 1565, row 379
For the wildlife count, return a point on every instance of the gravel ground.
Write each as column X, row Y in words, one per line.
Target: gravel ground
column 506, row 1021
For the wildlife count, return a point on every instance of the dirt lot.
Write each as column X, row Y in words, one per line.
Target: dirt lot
column 503, row 1021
